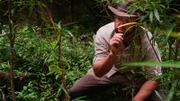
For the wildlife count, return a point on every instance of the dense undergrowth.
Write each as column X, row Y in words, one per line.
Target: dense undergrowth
column 36, row 71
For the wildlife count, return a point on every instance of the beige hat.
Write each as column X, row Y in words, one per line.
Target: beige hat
column 122, row 10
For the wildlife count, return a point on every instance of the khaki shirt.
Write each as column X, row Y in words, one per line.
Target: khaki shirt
column 138, row 50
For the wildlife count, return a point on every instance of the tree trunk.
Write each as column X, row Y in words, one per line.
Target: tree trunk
column 11, row 39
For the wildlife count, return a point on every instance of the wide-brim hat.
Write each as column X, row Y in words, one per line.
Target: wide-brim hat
column 122, row 10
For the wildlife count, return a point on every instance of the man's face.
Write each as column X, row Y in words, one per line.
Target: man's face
column 123, row 20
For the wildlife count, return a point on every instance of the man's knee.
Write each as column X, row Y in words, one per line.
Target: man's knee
column 72, row 93
column 77, row 90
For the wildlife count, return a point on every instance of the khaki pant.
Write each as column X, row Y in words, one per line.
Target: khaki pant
column 90, row 84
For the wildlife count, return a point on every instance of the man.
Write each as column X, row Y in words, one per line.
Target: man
column 117, row 43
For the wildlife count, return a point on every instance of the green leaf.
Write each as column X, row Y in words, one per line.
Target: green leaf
column 156, row 14
column 66, row 63
column 142, row 18
column 31, row 8
column 59, row 25
column 168, row 74
column 158, row 95
column 69, row 33
column 169, row 31
column 163, row 64
column 175, row 10
column 55, row 69
column 151, row 16
column 43, row 18
column 41, row 4
column 172, row 90
column 57, row 76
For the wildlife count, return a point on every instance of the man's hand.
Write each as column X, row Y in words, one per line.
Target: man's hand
column 146, row 90
column 116, row 42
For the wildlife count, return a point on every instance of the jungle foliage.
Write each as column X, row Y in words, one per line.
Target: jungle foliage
column 47, row 45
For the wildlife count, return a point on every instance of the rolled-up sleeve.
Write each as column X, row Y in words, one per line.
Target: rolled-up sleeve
column 101, row 47
column 152, row 54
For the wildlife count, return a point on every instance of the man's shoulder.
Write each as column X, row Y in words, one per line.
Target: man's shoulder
column 147, row 40
column 108, row 26
column 106, row 30
column 104, row 33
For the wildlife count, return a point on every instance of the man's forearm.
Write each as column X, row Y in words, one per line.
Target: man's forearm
column 146, row 90
column 104, row 66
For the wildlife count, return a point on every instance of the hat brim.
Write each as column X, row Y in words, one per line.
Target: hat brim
column 120, row 13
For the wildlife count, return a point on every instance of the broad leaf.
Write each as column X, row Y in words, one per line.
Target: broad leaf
column 156, row 14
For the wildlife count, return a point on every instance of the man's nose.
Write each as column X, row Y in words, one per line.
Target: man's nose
column 120, row 22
